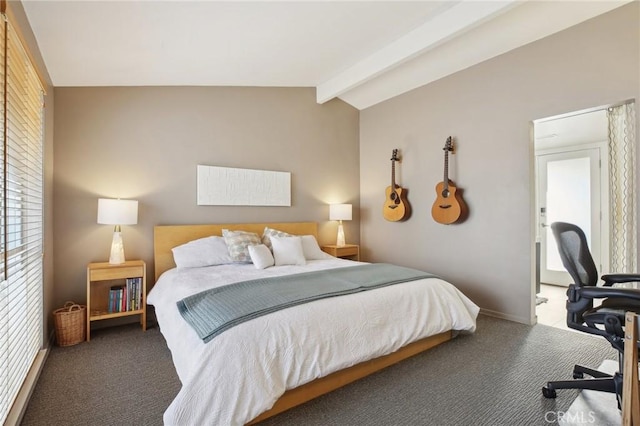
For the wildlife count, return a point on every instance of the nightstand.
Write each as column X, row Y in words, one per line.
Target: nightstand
column 115, row 291
column 348, row 251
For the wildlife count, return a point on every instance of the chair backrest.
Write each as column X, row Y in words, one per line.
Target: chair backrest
column 575, row 254
column 577, row 260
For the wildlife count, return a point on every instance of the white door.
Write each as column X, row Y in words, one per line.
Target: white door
column 569, row 191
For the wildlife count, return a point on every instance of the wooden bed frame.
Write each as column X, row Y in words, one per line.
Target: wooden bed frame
column 167, row 237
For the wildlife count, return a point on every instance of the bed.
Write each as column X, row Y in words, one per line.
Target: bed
column 264, row 366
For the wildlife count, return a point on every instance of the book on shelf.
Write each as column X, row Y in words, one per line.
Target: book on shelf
column 127, row 297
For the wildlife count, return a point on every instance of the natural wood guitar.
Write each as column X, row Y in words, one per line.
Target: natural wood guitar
column 395, row 208
column 448, row 207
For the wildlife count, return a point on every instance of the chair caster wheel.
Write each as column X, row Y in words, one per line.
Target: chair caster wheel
column 578, row 375
column 548, row 392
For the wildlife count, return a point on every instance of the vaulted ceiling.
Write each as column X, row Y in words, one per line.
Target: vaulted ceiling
column 362, row 52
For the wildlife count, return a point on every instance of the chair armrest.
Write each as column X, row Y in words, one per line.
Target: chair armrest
column 610, row 279
column 606, row 292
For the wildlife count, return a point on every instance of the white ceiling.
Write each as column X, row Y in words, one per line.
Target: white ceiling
column 579, row 128
column 362, row 52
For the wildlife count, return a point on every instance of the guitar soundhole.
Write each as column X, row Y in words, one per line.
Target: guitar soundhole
column 394, row 197
column 445, row 193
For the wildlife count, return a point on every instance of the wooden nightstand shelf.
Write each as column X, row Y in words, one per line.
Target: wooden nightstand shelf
column 102, row 277
column 348, row 251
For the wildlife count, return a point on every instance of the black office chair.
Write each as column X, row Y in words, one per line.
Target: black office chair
column 606, row 320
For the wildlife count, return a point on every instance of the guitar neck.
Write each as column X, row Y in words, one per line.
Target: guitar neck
column 393, row 175
column 446, row 169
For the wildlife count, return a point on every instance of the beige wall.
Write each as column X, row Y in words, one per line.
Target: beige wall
column 488, row 109
column 144, row 143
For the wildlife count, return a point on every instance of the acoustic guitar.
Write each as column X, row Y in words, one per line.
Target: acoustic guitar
column 395, row 208
column 448, row 207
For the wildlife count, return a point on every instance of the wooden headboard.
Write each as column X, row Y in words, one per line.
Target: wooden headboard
column 166, row 237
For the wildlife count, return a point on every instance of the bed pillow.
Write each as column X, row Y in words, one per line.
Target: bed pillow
column 261, row 256
column 208, row 251
column 288, row 251
column 270, row 232
column 238, row 243
column 311, row 249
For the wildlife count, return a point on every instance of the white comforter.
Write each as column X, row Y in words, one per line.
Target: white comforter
column 243, row 371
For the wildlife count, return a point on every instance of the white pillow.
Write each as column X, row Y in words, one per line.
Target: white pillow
column 208, row 251
column 237, row 243
column 270, row 232
column 261, row 256
column 311, row 249
column 288, row 251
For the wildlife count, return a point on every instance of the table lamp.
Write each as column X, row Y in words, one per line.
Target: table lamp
column 340, row 212
column 117, row 212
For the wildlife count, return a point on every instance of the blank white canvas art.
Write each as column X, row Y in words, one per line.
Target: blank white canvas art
column 228, row 186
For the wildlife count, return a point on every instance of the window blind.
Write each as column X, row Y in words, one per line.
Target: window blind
column 21, row 230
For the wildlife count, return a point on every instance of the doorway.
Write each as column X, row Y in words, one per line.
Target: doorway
column 585, row 173
column 571, row 184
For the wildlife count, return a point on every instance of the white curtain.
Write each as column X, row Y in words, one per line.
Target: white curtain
column 622, row 177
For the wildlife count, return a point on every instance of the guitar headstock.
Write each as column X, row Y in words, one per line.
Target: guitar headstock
column 448, row 145
column 394, row 155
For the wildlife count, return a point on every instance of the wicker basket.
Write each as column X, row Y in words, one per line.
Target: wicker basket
column 70, row 324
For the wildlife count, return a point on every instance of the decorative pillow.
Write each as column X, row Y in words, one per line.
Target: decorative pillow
column 288, row 251
column 270, row 232
column 311, row 249
column 261, row 256
column 208, row 251
column 237, row 243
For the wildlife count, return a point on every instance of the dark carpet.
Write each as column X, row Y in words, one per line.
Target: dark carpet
column 492, row 377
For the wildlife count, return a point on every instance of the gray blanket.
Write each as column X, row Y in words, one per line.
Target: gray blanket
column 213, row 311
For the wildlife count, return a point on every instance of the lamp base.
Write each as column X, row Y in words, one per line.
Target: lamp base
column 340, row 240
column 117, row 249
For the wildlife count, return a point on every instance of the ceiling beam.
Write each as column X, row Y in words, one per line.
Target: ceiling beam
column 460, row 17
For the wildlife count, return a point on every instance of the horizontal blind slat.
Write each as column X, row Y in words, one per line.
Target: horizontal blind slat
column 21, row 229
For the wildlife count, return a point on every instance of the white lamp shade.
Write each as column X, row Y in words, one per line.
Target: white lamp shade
column 340, row 212
column 117, row 212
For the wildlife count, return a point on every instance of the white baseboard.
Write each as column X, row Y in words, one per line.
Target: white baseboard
column 501, row 315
